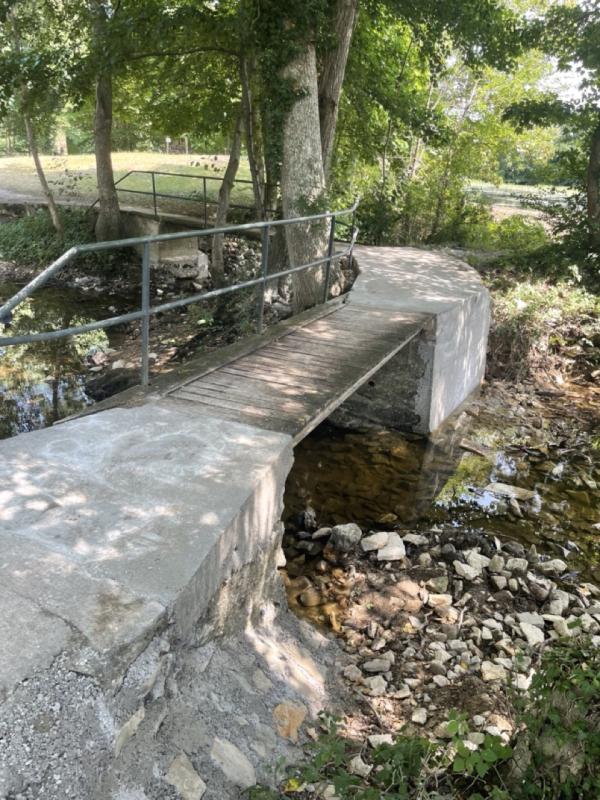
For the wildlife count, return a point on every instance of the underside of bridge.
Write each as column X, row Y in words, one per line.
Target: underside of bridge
column 134, row 536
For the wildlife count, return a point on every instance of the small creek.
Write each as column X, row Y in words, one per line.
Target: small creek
column 46, row 381
column 543, row 457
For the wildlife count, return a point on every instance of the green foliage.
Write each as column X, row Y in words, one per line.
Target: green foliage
column 561, row 750
column 32, row 241
column 513, row 235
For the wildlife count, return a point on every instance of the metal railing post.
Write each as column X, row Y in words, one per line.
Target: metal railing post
column 154, row 194
column 329, row 257
column 146, row 313
column 264, row 268
column 205, row 206
column 352, row 233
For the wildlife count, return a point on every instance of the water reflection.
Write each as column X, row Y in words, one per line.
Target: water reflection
column 381, row 478
column 45, row 381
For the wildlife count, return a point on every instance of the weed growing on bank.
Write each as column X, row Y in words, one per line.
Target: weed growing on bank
column 555, row 753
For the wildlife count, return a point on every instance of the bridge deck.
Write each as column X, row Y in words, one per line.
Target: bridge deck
column 292, row 384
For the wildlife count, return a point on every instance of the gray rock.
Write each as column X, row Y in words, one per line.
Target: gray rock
column 185, row 779
column 438, row 584
column 558, row 603
column 554, row 566
column 377, row 665
column 233, row 763
column 416, row 538
column 466, row 571
column 376, row 685
column 377, row 739
column 394, row 550
column 374, row 541
column 345, row 537
column 531, row 619
column 419, row 716
column 477, row 561
column 496, row 563
column 517, row 565
column 499, row 582
column 532, row 633
column 493, row 672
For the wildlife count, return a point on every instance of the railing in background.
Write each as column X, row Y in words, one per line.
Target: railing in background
column 203, row 196
column 146, row 311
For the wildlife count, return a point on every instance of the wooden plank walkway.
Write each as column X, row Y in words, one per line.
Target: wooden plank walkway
column 291, row 384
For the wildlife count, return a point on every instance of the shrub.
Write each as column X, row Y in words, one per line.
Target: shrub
column 516, row 235
column 558, row 755
column 32, row 241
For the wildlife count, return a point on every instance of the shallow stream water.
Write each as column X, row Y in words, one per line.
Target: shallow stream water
column 46, row 381
column 529, row 472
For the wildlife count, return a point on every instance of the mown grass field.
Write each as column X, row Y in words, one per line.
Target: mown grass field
column 74, row 178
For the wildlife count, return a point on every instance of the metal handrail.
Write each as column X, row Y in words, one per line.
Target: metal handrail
column 146, row 310
column 154, row 194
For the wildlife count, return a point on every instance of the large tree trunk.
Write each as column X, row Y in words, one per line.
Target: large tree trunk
column 593, row 189
column 303, row 179
column 108, row 223
column 33, row 147
column 255, row 159
column 332, row 76
column 217, row 266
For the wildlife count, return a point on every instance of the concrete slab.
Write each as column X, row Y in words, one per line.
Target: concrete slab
column 421, row 386
column 30, row 637
column 107, row 520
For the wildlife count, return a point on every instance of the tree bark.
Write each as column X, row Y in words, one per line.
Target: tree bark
column 593, row 189
column 108, row 224
column 33, row 148
column 332, row 76
column 303, row 178
column 217, row 266
column 255, row 160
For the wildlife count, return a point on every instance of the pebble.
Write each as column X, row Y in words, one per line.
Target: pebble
column 419, row 716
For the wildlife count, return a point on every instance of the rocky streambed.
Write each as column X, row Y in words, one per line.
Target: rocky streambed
column 446, row 568
column 442, row 620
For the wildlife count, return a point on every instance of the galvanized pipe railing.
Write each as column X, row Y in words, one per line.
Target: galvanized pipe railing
column 146, row 311
column 155, row 194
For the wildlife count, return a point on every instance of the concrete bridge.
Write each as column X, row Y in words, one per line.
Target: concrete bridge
column 155, row 521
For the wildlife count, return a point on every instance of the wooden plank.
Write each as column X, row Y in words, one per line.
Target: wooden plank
column 321, row 359
column 241, row 393
column 233, row 405
column 268, row 366
column 284, row 380
column 222, row 381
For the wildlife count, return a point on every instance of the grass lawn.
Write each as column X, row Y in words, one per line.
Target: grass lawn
column 74, row 178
